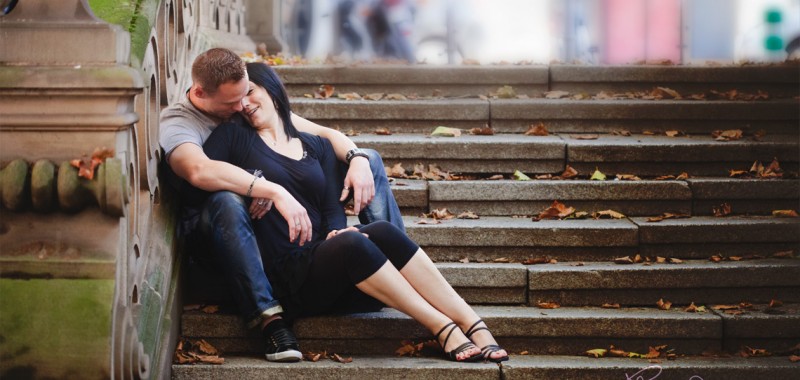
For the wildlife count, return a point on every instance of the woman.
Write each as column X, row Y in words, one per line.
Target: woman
column 340, row 269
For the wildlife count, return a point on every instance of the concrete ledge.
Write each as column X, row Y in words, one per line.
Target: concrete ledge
column 584, row 368
column 745, row 196
column 410, row 194
column 689, row 274
column 705, row 230
column 470, row 154
column 680, row 297
column 419, row 79
column 529, row 197
column 522, row 232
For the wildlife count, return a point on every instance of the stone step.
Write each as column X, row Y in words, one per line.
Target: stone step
column 642, row 155
column 558, row 115
column 565, row 330
column 745, row 196
column 372, row 367
column 698, row 281
column 532, row 80
column 520, row 239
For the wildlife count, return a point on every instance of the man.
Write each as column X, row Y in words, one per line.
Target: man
column 218, row 228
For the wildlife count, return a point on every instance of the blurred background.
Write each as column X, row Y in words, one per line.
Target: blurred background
column 543, row 31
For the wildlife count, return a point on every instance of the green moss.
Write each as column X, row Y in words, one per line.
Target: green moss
column 135, row 16
column 56, row 328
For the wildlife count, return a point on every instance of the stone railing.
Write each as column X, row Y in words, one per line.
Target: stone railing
column 89, row 269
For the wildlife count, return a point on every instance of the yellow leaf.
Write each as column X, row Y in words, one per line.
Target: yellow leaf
column 597, row 352
column 506, row 92
column 520, row 176
column 441, row 131
column 598, row 175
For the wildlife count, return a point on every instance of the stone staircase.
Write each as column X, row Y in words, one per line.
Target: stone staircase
column 493, row 262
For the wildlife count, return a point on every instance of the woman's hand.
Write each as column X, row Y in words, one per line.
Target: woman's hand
column 259, row 207
column 295, row 215
column 359, row 179
column 336, row 232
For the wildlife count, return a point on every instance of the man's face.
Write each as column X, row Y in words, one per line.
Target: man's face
column 227, row 100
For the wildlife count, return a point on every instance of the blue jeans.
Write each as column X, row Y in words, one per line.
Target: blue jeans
column 223, row 241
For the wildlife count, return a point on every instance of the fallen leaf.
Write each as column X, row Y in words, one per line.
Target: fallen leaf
column 382, row 131
column 192, row 307
column 341, row 359
column 628, row 177
column 495, row 177
column 605, row 214
column 610, row 306
column 446, row 132
column 663, row 305
column 598, row 175
column 654, row 352
column 312, row 356
column 682, row 176
column 536, row 260
column 520, row 176
column 623, row 260
column 194, row 351
column 586, row 137
column 396, row 97
column 86, row 165
column 464, row 260
column 485, row 131
column 506, row 92
column 468, row 215
column 524, row 353
column 210, row 309
column 794, row 358
column 666, row 92
column 721, row 210
column 440, row 214
column 725, row 307
column 548, row 305
column 727, row 135
column 783, row 255
column 568, row 173
column 661, row 260
column 396, row 171
column 374, row 96
column 324, row 91
column 612, row 351
column 557, row 210
column 537, row 130
column 621, row 132
column 775, row 303
column 349, row 96
column 556, row 94
column 428, row 221
column 754, row 352
column 784, row 213
column 674, row 133
column 597, row 352
column 695, row 309
column 501, row 260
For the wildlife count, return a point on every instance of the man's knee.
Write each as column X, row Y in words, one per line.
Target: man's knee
column 375, row 160
column 224, row 207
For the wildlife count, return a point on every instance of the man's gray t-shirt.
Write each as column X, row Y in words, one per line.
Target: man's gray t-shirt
column 183, row 123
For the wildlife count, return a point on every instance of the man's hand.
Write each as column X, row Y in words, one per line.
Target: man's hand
column 295, row 215
column 259, row 207
column 359, row 179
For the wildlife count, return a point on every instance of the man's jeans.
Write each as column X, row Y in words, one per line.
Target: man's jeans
column 223, row 241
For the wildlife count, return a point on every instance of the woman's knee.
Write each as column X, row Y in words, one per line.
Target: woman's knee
column 224, row 207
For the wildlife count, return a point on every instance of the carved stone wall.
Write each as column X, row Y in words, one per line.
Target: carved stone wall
column 88, row 290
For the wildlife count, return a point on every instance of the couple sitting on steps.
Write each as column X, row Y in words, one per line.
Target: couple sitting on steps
column 263, row 192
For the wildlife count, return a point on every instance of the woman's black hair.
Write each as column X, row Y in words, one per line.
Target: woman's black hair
column 261, row 74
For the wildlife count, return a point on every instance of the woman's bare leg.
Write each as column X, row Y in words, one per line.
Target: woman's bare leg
column 422, row 274
column 390, row 287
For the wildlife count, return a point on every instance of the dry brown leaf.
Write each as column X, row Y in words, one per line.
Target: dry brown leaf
column 86, row 165
column 727, row 135
column 784, row 213
column 612, row 351
column 210, row 309
column 568, row 173
column 663, row 305
column 721, row 210
column 585, row 137
column 775, row 303
column 794, row 358
column 621, row 132
column 468, row 215
column 383, row 131
column 548, row 305
column 396, row 171
column 628, row 177
column 754, row 352
column 783, row 255
column 556, row 211
column 623, row 260
column 340, row 359
column 674, row 133
column 536, row 260
column 682, row 176
column 324, row 91
column 556, row 94
column 725, row 307
column 485, row 131
column 502, row 260
column 692, row 308
column 440, row 214
column 349, row 96
column 661, row 260
column 608, row 214
column 313, row 356
column 428, row 221
column 537, row 130
column 495, row 177
column 464, row 260
column 374, row 96
column 610, row 306
column 666, row 92
column 396, row 97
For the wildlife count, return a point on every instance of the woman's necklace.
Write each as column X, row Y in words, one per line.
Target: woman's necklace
column 270, row 139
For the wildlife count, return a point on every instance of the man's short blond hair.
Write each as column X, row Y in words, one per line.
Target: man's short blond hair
column 215, row 67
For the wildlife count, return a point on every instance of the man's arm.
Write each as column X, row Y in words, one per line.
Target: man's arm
column 359, row 175
column 189, row 162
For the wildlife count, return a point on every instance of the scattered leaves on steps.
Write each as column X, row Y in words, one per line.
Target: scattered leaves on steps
column 316, row 356
column 411, row 349
column 485, row 131
column 196, row 351
column 537, row 130
column 747, row 352
column 663, row 305
column 382, row 131
column 324, row 91
column 653, row 353
column 695, row 309
column 667, row 215
column 548, row 305
column 727, row 135
column 721, row 210
column 757, row 170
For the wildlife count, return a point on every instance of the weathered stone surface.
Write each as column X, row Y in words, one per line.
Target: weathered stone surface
column 430, row 110
column 584, row 368
column 522, row 253
column 703, row 230
column 745, row 196
column 689, row 274
column 484, row 275
column 521, row 232
column 680, row 297
column 470, row 154
column 410, row 193
column 362, row 367
column 774, row 80
column 764, row 322
column 419, row 80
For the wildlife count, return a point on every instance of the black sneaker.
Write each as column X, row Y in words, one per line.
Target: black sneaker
column 281, row 345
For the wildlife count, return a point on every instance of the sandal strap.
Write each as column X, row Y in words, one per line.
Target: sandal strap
column 489, row 349
column 463, row 347
column 473, row 330
column 448, row 334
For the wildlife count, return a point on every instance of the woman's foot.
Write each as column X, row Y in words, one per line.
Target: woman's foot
column 459, row 350
column 480, row 334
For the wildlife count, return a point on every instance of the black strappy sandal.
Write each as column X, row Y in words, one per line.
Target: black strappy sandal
column 452, row 355
column 489, row 349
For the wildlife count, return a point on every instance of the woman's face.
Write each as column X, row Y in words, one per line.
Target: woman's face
column 257, row 106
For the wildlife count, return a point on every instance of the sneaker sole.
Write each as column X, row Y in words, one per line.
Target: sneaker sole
column 287, row 356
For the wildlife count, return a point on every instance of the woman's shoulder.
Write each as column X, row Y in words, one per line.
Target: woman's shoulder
column 316, row 142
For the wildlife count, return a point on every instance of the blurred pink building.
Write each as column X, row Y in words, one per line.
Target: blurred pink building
column 641, row 30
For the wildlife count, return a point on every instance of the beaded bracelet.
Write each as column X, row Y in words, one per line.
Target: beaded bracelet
column 256, row 176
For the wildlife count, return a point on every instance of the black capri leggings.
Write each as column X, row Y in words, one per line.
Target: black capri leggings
column 345, row 260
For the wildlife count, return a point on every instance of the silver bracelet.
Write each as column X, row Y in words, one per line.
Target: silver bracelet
column 256, row 176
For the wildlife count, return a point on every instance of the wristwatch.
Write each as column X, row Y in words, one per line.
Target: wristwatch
column 355, row 153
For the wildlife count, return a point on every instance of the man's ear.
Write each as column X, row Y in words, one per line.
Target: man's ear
column 198, row 92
